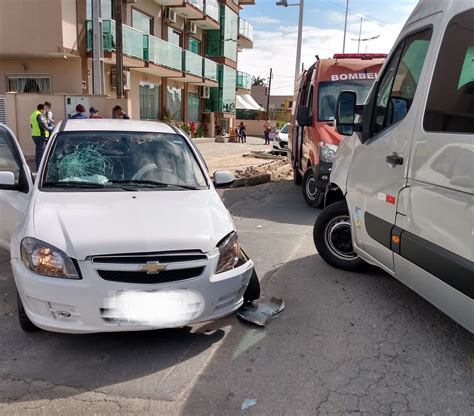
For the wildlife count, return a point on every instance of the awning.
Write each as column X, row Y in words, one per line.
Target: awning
column 246, row 102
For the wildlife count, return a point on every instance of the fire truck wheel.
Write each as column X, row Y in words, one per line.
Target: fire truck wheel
column 311, row 195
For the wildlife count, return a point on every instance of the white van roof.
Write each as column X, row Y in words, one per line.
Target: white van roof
column 426, row 8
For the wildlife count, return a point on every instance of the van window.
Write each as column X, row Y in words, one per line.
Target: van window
column 399, row 82
column 450, row 106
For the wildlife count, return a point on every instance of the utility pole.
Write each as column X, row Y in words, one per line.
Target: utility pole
column 345, row 28
column 298, row 45
column 97, row 49
column 360, row 33
column 269, row 92
column 118, row 47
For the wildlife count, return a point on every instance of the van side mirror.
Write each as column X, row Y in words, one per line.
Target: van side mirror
column 397, row 110
column 7, row 179
column 345, row 112
column 223, row 178
column 304, row 117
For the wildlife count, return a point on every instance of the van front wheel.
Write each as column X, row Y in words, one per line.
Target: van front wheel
column 332, row 235
column 313, row 197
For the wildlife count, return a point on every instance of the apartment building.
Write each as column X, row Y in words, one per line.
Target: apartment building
column 179, row 58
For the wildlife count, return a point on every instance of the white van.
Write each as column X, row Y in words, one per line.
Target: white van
column 401, row 191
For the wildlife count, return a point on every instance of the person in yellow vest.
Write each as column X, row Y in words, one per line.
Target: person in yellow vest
column 39, row 132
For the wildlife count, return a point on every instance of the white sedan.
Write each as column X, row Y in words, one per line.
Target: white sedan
column 121, row 231
column 280, row 144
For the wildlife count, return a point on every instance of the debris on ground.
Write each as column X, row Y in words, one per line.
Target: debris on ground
column 264, row 155
column 259, row 226
column 254, row 170
column 260, row 313
column 248, row 403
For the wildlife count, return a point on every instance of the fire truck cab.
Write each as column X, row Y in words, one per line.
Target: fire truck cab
column 313, row 140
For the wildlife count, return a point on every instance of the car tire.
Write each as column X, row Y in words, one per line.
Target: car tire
column 312, row 196
column 297, row 178
column 332, row 235
column 253, row 289
column 25, row 322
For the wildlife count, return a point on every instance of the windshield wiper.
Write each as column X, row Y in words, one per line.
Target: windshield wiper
column 73, row 184
column 152, row 183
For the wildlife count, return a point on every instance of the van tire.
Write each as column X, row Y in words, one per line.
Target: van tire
column 332, row 237
column 297, row 178
column 253, row 289
column 25, row 322
column 312, row 196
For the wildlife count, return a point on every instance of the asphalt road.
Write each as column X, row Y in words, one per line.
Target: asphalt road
column 345, row 344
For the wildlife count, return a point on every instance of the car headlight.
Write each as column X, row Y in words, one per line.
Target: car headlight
column 47, row 260
column 277, row 139
column 231, row 255
column 327, row 152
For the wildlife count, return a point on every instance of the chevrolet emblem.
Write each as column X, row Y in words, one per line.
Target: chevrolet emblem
column 152, row 267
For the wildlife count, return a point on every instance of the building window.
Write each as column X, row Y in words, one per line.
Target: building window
column 34, row 83
column 193, row 106
column 222, row 99
column 223, row 42
column 174, row 36
column 142, row 22
column 194, row 45
column 105, row 9
column 149, row 101
column 174, row 103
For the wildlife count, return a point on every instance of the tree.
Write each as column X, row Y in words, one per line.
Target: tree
column 258, row 82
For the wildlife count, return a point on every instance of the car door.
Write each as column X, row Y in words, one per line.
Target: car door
column 436, row 211
column 379, row 166
column 15, row 185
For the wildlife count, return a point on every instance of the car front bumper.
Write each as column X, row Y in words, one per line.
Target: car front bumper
column 281, row 146
column 77, row 306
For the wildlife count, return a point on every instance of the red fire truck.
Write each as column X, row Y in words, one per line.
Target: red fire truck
column 313, row 140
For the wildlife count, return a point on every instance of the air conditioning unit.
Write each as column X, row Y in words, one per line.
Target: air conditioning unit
column 170, row 15
column 191, row 27
column 126, row 79
column 204, row 92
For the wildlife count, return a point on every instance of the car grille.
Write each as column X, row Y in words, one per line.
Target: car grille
column 165, row 276
column 139, row 259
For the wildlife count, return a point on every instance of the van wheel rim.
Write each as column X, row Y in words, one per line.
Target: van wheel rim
column 311, row 190
column 338, row 237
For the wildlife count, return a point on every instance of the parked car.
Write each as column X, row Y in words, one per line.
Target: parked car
column 401, row 191
column 121, row 231
column 280, row 144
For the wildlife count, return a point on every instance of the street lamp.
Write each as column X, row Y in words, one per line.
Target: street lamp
column 284, row 3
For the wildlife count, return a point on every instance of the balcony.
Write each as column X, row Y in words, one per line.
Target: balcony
column 189, row 9
column 193, row 67
column 163, row 58
column 245, row 39
column 246, row 2
column 209, row 73
column 243, row 81
column 210, row 19
column 132, row 42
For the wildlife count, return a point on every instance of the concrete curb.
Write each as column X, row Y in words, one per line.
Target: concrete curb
column 203, row 140
column 262, row 178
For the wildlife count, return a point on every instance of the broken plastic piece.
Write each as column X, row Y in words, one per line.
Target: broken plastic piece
column 248, row 403
column 260, row 314
column 259, row 226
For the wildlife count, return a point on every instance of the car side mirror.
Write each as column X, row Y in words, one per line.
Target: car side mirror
column 7, row 179
column 304, row 117
column 223, row 178
column 345, row 112
column 397, row 110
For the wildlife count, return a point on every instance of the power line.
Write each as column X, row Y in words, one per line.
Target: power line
column 356, row 13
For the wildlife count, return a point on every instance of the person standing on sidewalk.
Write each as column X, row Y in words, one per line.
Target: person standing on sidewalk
column 267, row 127
column 39, row 132
column 80, row 112
column 48, row 115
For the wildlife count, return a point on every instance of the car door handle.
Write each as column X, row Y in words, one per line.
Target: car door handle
column 394, row 159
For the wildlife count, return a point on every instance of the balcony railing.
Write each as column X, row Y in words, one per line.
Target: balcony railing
column 132, row 42
column 198, row 4
column 212, row 9
column 192, row 63
column 210, row 69
column 244, row 80
column 245, row 29
column 163, row 53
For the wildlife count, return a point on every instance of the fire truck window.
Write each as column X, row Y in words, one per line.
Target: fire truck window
column 399, row 82
column 450, row 106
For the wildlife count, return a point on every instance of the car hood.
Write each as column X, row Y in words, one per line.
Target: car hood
column 283, row 136
column 93, row 223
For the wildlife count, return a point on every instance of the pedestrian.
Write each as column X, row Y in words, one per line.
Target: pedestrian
column 80, row 112
column 241, row 131
column 117, row 112
column 94, row 113
column 39, row 132
column 48, row 114
column 267, row 127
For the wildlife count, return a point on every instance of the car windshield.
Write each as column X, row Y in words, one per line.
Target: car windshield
column 285, row 129
column 122, row 160
column 329, row 91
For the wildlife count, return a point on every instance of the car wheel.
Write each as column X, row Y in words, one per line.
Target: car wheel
column 312, row 196
column 297, row 178
column 25, row 322
column 253, row 289
column 332, row 235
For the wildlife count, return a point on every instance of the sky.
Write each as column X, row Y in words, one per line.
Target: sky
column 276, row 30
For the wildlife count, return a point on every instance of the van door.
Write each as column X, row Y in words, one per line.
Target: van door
column 436, row 210
column 15, row 185
column 379, row 167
